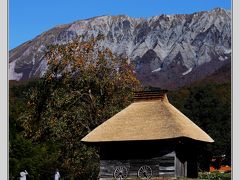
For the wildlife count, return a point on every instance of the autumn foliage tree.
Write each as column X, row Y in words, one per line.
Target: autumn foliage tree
column 85, row 84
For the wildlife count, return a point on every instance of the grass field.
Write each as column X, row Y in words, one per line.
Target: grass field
column 202, row 176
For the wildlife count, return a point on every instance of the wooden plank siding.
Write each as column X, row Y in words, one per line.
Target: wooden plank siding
column 167, row 165
column 180, row 168
column 164, row 166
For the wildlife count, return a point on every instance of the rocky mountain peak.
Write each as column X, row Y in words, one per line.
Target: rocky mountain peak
column 163, row 47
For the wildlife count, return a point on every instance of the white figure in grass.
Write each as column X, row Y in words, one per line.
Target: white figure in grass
column 23, row 175
column 57, row 175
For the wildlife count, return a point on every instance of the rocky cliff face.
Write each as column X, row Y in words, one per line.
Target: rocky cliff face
column 169, row 51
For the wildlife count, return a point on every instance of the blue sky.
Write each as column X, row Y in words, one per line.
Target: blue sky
column 29, row 18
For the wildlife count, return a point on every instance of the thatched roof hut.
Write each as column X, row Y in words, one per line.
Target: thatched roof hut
column 150, row 121
column 147, row 119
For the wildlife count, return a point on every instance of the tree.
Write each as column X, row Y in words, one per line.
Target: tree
column 209, row 106
column 84, row 85
column 23, row 153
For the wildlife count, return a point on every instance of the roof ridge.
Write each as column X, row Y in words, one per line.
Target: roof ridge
column 150, row 95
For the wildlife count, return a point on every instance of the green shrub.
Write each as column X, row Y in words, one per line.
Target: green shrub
column 214, row 175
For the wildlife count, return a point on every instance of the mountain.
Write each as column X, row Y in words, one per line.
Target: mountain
column 169, row 51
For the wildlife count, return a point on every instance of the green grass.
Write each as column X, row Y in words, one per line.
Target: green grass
column 215, row 176
column 202, row 176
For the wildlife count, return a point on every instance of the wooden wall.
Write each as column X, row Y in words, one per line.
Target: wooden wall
column 161, row 166
column 168, row 158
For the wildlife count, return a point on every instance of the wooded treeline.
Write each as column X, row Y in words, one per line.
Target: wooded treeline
column 208, row 106
column 49, row 116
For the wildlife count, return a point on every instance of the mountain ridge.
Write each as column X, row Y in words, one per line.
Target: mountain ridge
column 166, row 47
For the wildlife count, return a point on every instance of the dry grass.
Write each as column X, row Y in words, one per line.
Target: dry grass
column 147, row 120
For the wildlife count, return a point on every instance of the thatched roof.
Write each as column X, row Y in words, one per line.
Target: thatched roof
column 147, row 119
